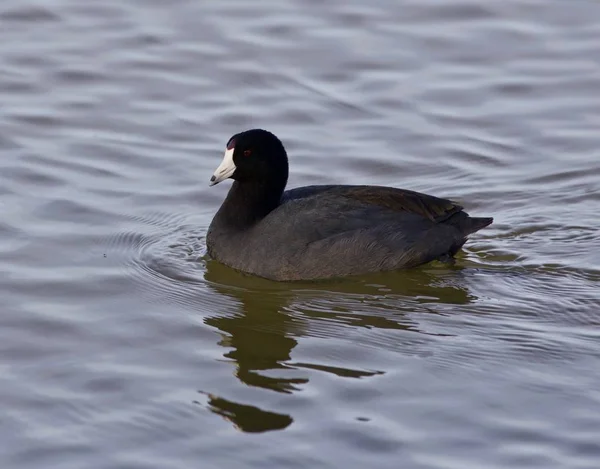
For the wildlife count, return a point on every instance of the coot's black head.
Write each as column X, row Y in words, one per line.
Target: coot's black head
column 253, row 156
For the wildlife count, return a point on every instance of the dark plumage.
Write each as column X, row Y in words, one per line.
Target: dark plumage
column 324, row 231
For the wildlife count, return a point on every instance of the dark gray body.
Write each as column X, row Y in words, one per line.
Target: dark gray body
column 322, row 232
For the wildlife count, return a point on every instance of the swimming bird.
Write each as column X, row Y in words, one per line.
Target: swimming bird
column 323, row 231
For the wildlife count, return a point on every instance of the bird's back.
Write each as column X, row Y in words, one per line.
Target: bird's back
column 334, row 231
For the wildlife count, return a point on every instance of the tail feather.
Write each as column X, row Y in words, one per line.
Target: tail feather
column 468, row 225
column 473, row 224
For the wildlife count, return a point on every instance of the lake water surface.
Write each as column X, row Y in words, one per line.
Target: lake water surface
column 122, row 346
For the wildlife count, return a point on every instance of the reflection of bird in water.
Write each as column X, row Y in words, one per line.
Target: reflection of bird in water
column 248, row 418
column 261, row 335
column 258, row 339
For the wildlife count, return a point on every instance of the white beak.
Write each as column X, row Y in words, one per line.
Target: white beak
column 225, row 169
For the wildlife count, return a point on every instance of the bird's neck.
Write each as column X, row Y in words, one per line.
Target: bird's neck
column 247, row 203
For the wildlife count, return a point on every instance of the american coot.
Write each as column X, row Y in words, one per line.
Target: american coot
column 323, row 231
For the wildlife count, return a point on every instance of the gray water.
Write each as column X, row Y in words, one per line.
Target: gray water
column 123, row 346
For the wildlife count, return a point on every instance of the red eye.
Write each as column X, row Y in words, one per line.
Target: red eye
column 247, row 152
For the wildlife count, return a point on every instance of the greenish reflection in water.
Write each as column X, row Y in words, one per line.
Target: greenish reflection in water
column 248, row 418
column 260, row 337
